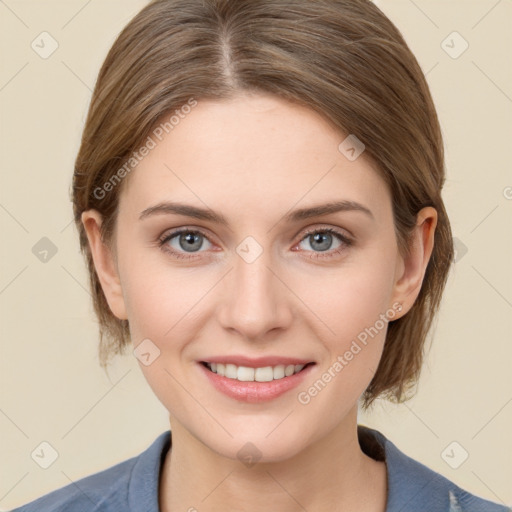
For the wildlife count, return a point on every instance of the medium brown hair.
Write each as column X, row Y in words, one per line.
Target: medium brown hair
column 341, row 58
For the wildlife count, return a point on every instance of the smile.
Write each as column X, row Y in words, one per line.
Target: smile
column 254, row 384
column 248, row 374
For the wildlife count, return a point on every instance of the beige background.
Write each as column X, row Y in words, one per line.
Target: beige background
column 52, row 388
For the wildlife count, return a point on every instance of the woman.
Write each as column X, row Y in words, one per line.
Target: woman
column 258, row 197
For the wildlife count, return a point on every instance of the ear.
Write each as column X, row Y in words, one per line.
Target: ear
column 105, row 264
column 410, row 270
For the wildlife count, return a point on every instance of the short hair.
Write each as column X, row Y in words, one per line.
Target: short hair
column 342, row 58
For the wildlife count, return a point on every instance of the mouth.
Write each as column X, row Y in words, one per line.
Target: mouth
column 261, row 384
column 255, row 374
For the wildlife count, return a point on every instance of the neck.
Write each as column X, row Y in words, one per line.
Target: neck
column 331, row 470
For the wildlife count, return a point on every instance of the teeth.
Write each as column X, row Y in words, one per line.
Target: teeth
column 246, row 374
column 265, row 374
column 230, row 371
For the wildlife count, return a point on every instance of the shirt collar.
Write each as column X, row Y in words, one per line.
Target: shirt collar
column 409, row 482
column 412, row 487
column 145, row 476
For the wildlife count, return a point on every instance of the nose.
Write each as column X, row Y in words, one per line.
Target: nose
column 256, row 298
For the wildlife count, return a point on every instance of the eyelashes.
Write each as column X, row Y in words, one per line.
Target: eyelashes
column 345, row 243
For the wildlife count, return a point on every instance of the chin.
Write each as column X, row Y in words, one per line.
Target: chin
column 255, row 445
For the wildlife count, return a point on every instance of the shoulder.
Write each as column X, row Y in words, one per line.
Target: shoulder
column 107, row 488
column 133, row 482
column 414, row 487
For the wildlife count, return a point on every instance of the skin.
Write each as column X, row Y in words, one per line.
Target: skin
column 253, row 159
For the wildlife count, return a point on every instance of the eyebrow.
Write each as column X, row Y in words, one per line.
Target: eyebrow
column 294, row 216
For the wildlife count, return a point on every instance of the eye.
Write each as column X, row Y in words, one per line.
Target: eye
column 320, row 239
column 189, row 241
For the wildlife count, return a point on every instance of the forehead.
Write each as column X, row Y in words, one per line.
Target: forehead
column 254, row 153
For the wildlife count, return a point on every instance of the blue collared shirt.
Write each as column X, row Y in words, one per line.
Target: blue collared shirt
column 132, row 485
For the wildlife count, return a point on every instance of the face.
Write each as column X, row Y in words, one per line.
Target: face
column 264, row 283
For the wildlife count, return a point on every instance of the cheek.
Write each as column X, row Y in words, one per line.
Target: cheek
column 352, row 309
column 162, row 299
column 162, row 305
column 158, row 297
column 350, row 298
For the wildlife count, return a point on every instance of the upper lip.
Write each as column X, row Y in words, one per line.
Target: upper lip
column 256, row 362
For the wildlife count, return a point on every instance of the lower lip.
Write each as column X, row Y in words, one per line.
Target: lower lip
column 253, row 391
